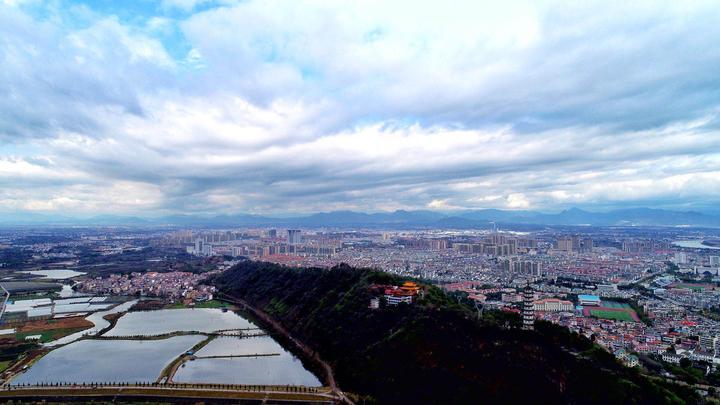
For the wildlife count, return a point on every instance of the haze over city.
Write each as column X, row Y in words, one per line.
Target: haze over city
column 282, row 108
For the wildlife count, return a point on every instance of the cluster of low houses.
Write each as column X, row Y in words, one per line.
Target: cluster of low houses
column 628, row 359
column 705, row 349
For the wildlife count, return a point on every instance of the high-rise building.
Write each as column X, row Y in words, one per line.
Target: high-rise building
column 634, row 246
column 462, row 247
column 528, row 308
column 526, row 243
column 708, row 343
column 438, row 244
column 565, row 244
column 714, row 261
column 294, row 236
column 272, row 233
column 586, row 245
column 575, row 243
column 496, row 239
column 681, row 258
column 527, row 267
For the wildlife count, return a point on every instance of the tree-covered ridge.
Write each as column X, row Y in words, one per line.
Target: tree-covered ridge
column 435, row 351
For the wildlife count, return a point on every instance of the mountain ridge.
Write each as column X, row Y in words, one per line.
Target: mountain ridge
column 483, row 218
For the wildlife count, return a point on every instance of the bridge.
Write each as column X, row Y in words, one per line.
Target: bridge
column 231, row 393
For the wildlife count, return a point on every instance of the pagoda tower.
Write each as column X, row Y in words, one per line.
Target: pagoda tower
column 528, row 308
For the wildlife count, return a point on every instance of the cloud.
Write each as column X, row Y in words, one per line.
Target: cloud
column 269, row 107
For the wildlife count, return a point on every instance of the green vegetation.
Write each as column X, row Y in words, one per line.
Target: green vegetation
column 436, row 350
column 51, row 295
column 615, row 304
column 276, row 307
column 640, row 312
column 200, row 304
column 15, row 257
column 686, row 372
column 173, row 259
column 630, row 304
column 10, row 353
column 614, row 315
column 49, row 335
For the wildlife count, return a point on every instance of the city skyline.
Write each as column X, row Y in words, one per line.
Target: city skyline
column 217, row 107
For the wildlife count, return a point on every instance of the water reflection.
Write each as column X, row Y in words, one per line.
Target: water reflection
column 269, row 370
column 97, row 319
column 138, row 360
column 59, row 274
column 149, row 323
column 279, row 367
column 226, row 346
column 108, row 361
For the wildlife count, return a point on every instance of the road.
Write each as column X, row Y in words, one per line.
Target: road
column 212, row 392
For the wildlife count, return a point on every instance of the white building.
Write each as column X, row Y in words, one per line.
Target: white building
column 681, row 258
column 708, row 343
column 395, row 299
column 671, row 357
column 698, row 355
column 607, row 287
column 553, row 305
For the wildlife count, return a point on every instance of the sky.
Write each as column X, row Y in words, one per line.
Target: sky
column 281, row 107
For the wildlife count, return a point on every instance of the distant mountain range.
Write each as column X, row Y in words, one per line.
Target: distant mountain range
column 459, row 219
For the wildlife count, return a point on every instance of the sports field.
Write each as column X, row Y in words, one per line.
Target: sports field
column 616, row 311
column 693, row 286
column 614, row 315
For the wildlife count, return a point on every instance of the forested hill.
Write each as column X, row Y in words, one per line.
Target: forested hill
column 435, row 351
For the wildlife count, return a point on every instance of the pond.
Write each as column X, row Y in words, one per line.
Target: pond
column 226, row 346
column 279, row 368
column 150, row 323
column 108, row 361
column 268, row 370
column 122, row 360
column 97, row 319
column 55, row 274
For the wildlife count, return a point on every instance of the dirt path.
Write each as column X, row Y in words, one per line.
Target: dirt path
column 75, row 322
column 169, row 372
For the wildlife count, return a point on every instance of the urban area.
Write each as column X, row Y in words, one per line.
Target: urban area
column 649, row 296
